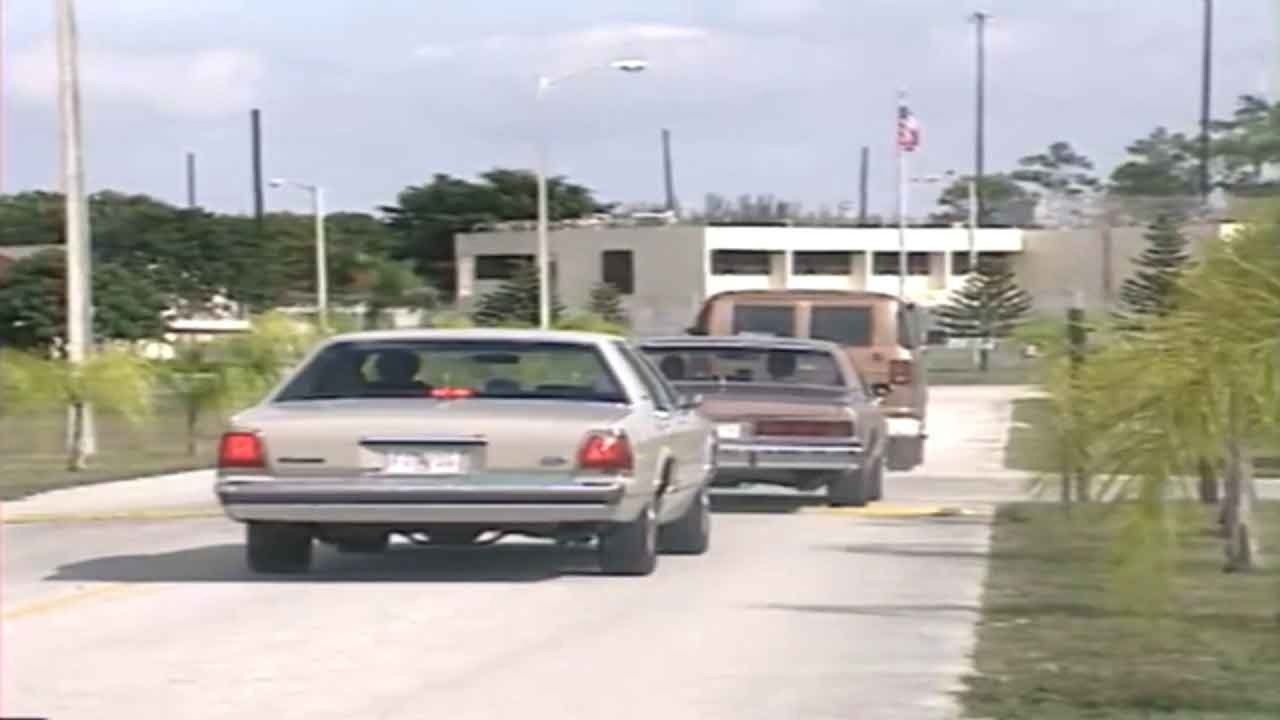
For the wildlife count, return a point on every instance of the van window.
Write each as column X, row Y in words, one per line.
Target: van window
column 779, row 320
column 907, row 336
column 848, row 326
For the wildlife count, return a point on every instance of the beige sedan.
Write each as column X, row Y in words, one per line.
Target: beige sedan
column 457, row 436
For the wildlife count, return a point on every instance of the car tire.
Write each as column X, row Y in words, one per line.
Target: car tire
column 278, row 547
column 874, row 480
column 631, row 548
column 691, row 533
column 847, row 489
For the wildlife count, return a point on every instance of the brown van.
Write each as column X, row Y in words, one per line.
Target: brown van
column 881, row 334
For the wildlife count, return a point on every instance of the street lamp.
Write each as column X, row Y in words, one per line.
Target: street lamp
column 322, row 272
column 545, row 83
column 972, row 185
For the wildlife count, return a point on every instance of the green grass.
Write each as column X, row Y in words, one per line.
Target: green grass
column 1059, row 639
column 951, row 366
column 1028, row 448
column 33, row 459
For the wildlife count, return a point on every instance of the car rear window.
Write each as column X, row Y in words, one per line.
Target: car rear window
column 776, row 320
column 472, row 368
column 774, row 366
column 848, row 326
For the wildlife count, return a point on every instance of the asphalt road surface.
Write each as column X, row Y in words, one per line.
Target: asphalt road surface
column 795, row 613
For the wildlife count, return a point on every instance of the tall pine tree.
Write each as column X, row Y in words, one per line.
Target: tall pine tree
column 1150, row 291
column 515, row 302
column 989, row 306
column 606, row 302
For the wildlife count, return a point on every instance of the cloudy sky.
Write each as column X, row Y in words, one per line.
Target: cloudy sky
column 777, row 96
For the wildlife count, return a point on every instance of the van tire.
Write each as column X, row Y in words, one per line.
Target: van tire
column 874, row 479
column 905, row 453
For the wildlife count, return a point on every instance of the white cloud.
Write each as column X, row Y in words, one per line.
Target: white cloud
column 197, row 83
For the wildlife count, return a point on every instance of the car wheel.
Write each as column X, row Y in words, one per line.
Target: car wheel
column 874, row 481
column 691, row 533
column 631, row 548
column 278, row 548
column 847, row 489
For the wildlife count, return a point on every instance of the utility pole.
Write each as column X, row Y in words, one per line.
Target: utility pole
column 980, row 126
column 863, row 176
column 668, row 174
column 255, row 131
column 79, row 287
column 1206, row 101
column 191, row 180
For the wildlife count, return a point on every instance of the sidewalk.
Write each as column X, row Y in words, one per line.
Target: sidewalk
column 188, row 494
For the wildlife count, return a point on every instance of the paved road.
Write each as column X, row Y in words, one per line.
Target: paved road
column 794, row 614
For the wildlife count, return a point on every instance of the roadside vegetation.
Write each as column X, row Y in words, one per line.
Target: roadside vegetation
column 1145, row 589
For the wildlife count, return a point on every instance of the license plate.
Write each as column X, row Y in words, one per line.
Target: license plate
column 430, row 463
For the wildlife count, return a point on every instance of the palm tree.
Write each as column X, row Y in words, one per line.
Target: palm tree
column 204, row 378
column 1200, row 382
column 114, row 380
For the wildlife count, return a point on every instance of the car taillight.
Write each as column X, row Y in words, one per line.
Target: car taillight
column 900, row 372
column 804, row 428
column 241, row 450
column 452, row 393
column 606, row 452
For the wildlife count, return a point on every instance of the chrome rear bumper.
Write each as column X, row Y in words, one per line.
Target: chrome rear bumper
column 737, row 455
column 409, row 501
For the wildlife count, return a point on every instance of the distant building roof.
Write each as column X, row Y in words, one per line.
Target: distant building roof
column 22, row 252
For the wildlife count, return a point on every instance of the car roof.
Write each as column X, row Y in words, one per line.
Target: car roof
column 509, row 334
column 744, row 340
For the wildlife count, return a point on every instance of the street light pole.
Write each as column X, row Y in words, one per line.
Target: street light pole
column 545, row 83
column 79, row 287
column 322, row 255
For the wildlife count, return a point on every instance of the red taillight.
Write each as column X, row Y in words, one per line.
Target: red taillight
column 451, row 393
column 241, row 450
column 900, row 372
column 804, row 428
column 606, row 452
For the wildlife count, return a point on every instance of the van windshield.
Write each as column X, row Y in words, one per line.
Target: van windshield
column 848, row 326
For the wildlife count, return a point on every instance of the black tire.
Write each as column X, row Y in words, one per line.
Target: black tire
column 631, row 548
column 874, row 480
column 905, row 453
column 847, row 489
column 278, row 547
column 691, row 533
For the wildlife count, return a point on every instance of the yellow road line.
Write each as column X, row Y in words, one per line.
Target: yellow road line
column 892, row 511
column 172, row 513
column 49, row 604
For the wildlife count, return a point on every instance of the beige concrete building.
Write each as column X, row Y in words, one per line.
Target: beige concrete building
column 666, row 272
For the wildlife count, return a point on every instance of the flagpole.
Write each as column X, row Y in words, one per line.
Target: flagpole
column 902, row 204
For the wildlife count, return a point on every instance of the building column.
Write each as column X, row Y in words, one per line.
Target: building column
column 939, row 269
column 780, row 270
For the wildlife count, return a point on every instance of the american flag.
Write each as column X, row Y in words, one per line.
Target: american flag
column 908, row 129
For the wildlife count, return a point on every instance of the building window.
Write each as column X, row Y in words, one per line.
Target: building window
column 960, row 263
column 618, row 270
column 1003, row 260
column 821, row 263
column 886, row 263
column 499, row 267
column 739, row 262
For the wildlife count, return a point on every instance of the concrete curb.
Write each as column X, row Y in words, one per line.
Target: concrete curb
column 878, row 510
column 163, row 513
